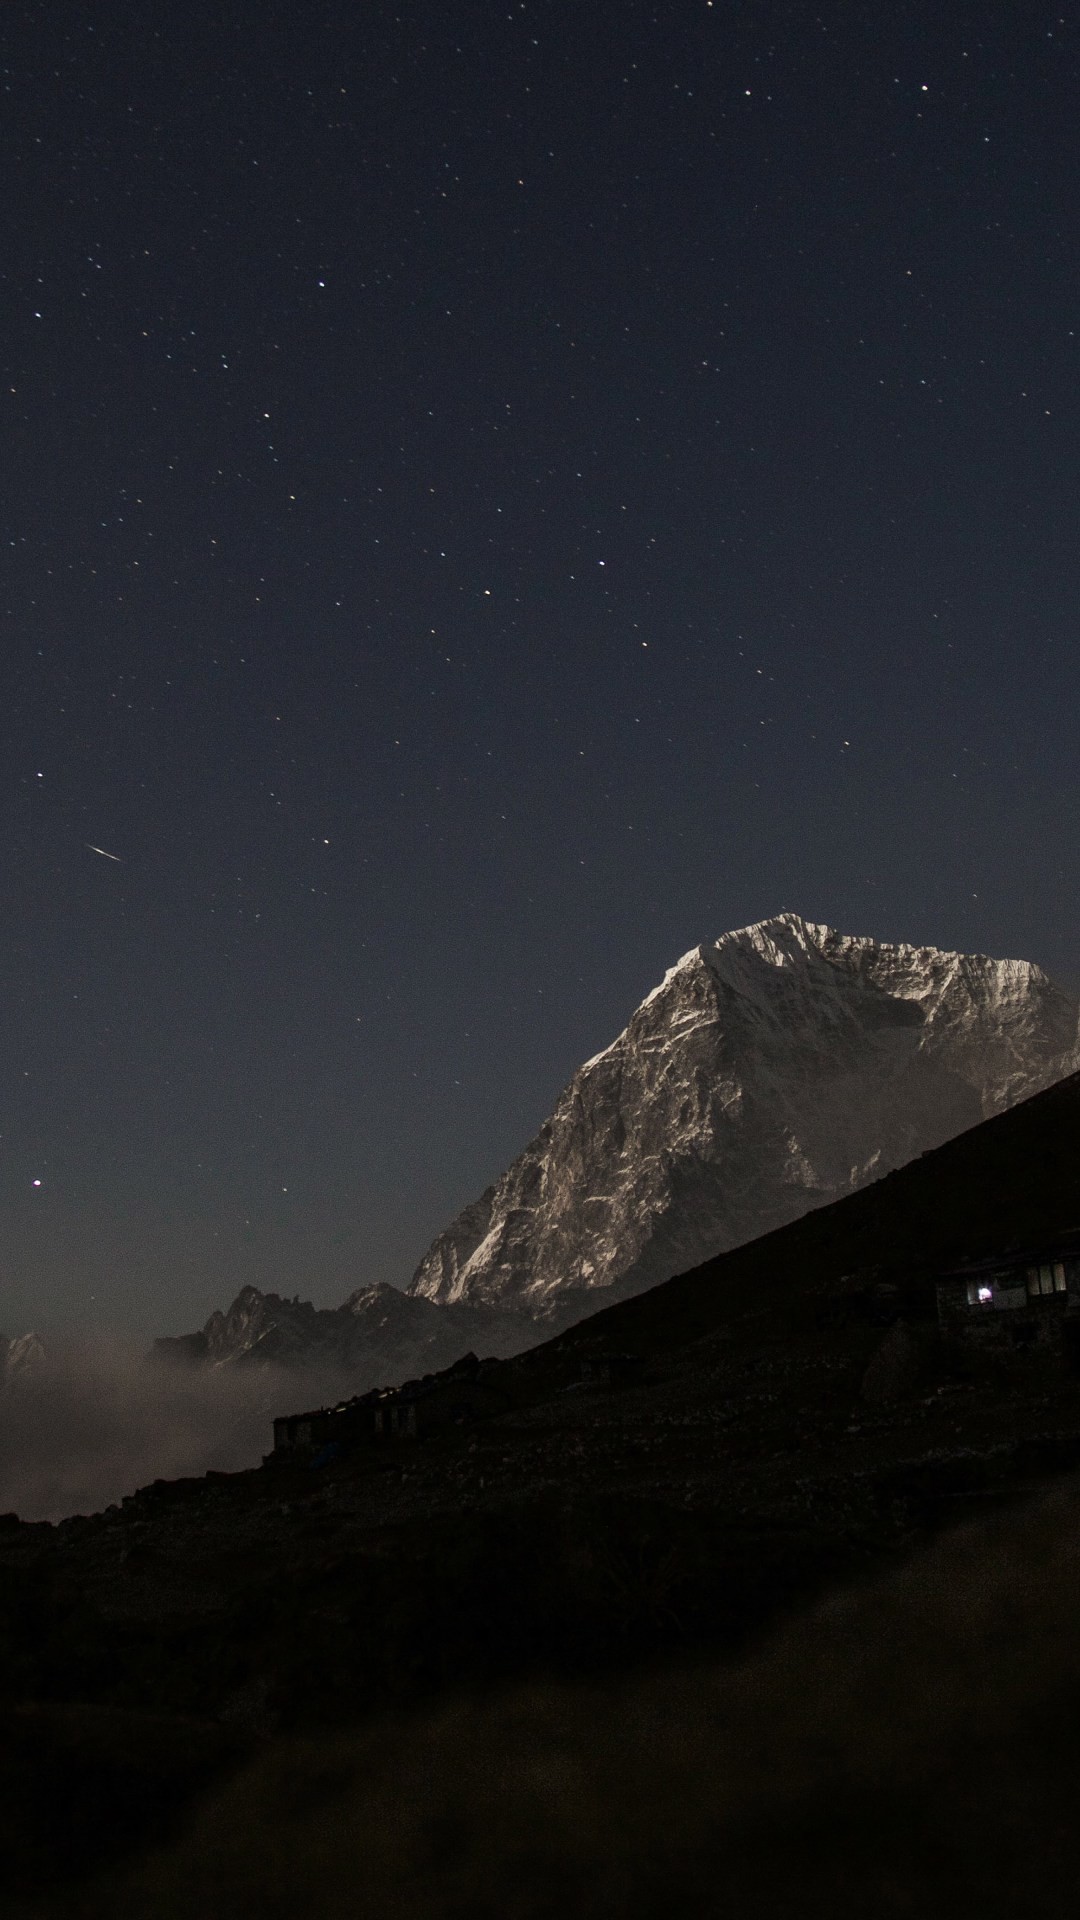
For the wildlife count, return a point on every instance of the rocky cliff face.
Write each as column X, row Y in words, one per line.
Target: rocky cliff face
column 772, row 1070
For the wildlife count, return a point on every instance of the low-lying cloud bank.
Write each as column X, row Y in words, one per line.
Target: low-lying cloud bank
column 97, row 1420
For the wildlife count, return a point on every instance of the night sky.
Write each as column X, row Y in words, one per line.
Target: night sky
column 493, row 495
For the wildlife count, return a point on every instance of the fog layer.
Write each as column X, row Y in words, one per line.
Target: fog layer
column 97, row 1421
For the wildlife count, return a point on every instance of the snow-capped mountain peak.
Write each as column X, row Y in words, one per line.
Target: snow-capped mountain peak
column 769, row 1071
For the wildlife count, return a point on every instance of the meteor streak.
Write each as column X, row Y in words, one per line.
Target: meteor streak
column 103, row 853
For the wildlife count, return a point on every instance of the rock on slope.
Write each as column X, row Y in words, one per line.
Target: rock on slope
column 771, row 1071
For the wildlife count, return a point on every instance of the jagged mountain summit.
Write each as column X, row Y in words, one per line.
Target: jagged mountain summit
column 777, row 1068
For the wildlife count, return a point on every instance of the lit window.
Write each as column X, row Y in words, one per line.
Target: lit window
column 1059, row 1276
column 1033, row 1281
column 985, row 1295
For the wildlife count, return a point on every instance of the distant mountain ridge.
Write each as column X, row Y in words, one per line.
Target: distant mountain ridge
column 777, row 1068
column 378, row 1334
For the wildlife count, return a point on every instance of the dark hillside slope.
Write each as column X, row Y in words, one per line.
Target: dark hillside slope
column 667, row 1480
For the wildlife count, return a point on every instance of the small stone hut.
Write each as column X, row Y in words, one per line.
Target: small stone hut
column 409, row 1411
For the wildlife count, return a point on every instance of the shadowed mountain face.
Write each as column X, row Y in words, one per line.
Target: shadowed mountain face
column 780, row 1067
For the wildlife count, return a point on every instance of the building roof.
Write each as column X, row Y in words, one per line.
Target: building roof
column 1062, row 1246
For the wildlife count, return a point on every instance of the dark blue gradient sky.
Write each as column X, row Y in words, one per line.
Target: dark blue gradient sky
column 494, row 495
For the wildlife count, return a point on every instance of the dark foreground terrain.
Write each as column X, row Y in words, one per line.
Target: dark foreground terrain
column 780, row 1615
column 908, row 1748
